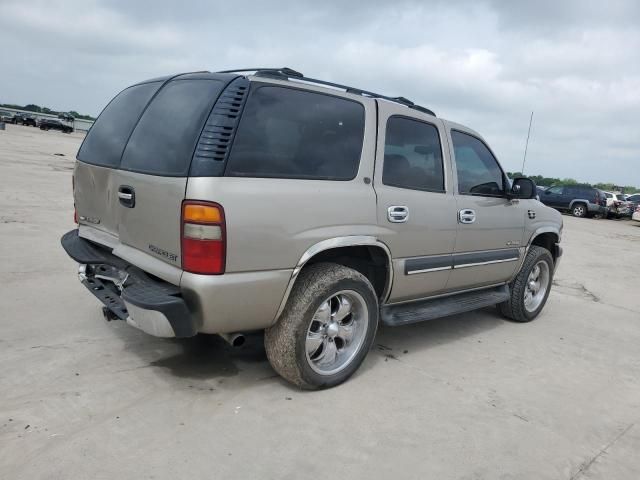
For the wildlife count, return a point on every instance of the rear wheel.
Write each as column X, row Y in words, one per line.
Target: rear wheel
column 579, row 210
column 531, row 287
column 326, row 329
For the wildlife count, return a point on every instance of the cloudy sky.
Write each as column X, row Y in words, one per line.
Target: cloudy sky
column 487, row 64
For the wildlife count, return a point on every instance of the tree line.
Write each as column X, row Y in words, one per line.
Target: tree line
column 38, row 109
column 549, row 181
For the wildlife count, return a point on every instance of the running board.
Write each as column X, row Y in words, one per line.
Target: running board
column 422, row 310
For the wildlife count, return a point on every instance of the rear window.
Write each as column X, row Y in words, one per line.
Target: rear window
column 107, row 137
column 165, row 137
column 289, row 133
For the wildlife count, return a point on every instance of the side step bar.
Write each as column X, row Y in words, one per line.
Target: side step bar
column 422, row 310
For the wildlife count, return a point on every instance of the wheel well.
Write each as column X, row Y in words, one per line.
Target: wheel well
column 370, row 261
column 547, row 240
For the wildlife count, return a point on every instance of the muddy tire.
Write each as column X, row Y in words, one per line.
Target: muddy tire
column 326, row 329
column 531, row 287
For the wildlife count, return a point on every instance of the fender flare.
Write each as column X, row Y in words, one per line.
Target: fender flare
column 338, row 242
column 578, row 200
column 525, row 250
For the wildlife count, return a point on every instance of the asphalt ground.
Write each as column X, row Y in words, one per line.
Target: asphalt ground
column 465, row 397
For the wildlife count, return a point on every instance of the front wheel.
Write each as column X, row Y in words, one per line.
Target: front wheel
column 531, row 287
column 326, row 329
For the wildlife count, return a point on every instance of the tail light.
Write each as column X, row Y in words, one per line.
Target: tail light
column 203, row 237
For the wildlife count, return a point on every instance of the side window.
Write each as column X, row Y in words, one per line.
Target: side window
column 164, row 139
column 478, row 170
column 556, row 190
column 289, row 133
column 107, row 137
column 412, row 155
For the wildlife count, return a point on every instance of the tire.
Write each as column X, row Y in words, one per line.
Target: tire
column 579, row 210
column 517, row 308
column 320, row 297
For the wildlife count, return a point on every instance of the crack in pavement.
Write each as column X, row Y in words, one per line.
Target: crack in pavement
column 586, row 465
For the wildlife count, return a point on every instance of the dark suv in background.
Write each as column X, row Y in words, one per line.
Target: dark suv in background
column 53, row 124
column 26, row 119
column 580, row 200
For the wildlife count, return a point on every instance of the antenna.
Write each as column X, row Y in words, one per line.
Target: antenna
column 526, row 145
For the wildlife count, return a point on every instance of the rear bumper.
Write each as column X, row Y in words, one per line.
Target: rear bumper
column 597, row 209
column 147, row 303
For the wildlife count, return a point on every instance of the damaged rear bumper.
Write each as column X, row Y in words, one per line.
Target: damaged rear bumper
column 145, row 302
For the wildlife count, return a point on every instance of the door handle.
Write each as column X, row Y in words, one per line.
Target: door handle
column 398, row 214
column 466, row 216
column 127, row 196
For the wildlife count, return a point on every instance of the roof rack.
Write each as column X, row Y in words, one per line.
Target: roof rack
column 286, row 73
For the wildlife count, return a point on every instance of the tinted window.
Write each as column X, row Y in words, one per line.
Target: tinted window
column 164, row 140
column 555, row 190
column 290, row 133
column 478, row 170
column 108, row 135
column 412, row 155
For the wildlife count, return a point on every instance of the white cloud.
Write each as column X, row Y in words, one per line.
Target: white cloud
column 484, row 64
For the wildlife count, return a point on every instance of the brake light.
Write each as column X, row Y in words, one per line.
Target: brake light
column 203, row 237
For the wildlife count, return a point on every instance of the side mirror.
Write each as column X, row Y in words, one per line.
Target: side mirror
column 523, row 188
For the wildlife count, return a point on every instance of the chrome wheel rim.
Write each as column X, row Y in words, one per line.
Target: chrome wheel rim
column 537, row 286
column 336, row 332
column 578, row 211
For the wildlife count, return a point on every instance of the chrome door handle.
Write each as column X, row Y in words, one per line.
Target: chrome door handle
column 466, row 216
column 398, row 214
column 127, row 196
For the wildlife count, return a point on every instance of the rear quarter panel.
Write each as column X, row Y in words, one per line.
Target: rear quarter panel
column 271, row 222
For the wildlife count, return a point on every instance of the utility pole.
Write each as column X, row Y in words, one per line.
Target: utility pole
column 526, row 144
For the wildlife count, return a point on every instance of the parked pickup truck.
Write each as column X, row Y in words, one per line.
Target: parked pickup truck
column 243, row 200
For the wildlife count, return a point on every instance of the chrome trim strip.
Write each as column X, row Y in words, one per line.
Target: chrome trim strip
column 337, row 242
column 426, row 270
column 477, row 264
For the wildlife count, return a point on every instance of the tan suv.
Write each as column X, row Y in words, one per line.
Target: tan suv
column 233, row 201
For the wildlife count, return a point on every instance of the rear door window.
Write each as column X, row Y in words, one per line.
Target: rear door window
column 164, row 140
column 107, row 137
column 412, row 155
column 290, row 133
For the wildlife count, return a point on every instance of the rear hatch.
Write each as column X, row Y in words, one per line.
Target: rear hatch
column 132, row 169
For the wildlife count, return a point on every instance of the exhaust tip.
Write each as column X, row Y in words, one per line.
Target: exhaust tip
column 233, row 339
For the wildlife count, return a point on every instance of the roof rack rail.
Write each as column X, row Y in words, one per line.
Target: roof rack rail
column 286, row 73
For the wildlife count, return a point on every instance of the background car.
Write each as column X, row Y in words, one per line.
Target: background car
column 636, row 214
column 634, row 200
column 580, row 200
column 26, row 119
column 5, row 116
column 619, row 206
column 53, row 124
